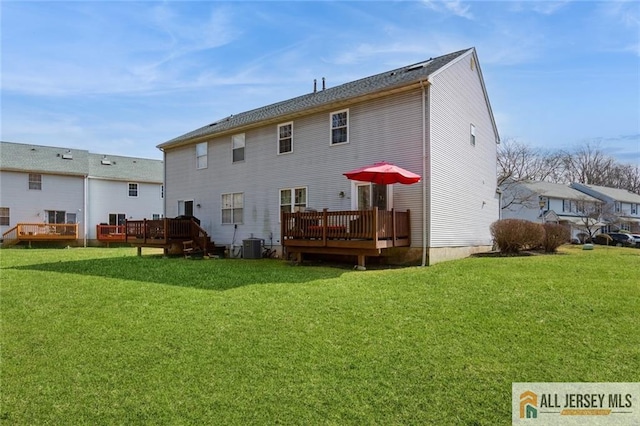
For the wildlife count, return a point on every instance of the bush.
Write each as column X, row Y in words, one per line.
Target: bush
column 554, row 236
column 513, row 235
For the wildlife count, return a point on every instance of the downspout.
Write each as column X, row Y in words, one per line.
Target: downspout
column 164, row 183
column 85, row 214
column 424, row 171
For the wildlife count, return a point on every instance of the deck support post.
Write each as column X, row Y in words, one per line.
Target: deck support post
column 360, row 266
column 139, row 251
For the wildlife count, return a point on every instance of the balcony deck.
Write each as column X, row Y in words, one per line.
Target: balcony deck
column 166, row 233
column 43, row 232
column 351, row 232
column 111, row 233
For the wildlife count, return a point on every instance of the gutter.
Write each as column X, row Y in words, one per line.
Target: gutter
column 425, row 86
column 85, row 214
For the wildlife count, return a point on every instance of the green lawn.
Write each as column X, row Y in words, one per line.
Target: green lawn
column 101, row 336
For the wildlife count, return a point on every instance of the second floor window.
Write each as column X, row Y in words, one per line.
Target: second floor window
column 35, row 181
column 237, row 146
column 285, row 138
column 340, row 127
column 201, row 155
column 133, row 190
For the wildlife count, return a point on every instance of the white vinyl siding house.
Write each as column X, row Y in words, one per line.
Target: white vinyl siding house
column 39, row 185
column 397, row 121
column 622, row 203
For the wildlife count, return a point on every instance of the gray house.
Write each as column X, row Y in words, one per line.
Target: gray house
column 622, row 206
column 545, row 202
column 249, row 174
column 60, row 194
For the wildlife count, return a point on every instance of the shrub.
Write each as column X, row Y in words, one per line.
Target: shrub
column 554, row 236
column 513, row 235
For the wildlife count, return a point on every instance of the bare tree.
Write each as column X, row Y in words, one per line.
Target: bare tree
column 518, row 162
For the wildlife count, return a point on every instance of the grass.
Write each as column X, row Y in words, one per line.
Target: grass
column 101, row 336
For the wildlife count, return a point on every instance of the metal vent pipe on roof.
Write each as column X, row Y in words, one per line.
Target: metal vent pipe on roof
column 315, row 86
column 323, row 85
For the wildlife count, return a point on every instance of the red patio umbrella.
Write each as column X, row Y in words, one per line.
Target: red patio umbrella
column 383, row 173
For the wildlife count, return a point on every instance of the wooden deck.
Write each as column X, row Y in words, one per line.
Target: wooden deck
column 111, row 233
column 352, row 232
column 167, row 233
column 43, row 232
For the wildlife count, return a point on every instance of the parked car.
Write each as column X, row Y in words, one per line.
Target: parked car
column 636, row 237
column 615, row 239
column 625, row 240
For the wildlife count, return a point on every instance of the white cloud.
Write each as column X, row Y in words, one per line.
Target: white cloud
column 455, row 7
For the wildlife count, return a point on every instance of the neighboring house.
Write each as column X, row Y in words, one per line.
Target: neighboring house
column 550, row 202
column 238, row 175
column 54, row 186
column 622, row 206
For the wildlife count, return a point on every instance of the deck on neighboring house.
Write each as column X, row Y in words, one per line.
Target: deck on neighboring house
column 352, row 232
column 40, row 232
column 169, row 234
column 111, row 233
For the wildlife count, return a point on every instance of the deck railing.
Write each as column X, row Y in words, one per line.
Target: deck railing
column 348, row 225
column 110, row 233
column 41, row 232
column 162, row 231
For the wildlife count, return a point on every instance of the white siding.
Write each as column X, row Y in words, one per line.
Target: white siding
column 463, row 201
column 388, row 129
column 109, row 196
column 61, row 193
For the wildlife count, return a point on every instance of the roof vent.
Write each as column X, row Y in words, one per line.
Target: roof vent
column 418, row 66
column 67, row 155
column 105, row 161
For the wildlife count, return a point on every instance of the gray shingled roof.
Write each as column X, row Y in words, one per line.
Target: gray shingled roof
column 622, row 195
column 77, row 162
column 558, row 190
column 116, row 167
column 385, row 81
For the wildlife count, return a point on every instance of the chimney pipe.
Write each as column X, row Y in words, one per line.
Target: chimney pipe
column 323, row 86
column 314, row 86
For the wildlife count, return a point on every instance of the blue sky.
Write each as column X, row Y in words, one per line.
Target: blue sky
column 120, row 77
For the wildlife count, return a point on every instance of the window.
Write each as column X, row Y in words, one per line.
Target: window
column 56, row 216
column 237, row 146
column 285, row 138
column 201, row 155
column 293, row 199
column 634, row 209
column 617, row 207
column 156, row 216
column 117, row 218
column 232, row 207
column 4, row 216
column 473, row 135
column 566, row 205
column 339, row 127
column 161, row 191
column 35, row 181
column 133, row 190
column 71, row 218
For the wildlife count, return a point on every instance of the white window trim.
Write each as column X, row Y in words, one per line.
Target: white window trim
column 129, row 189
column 331, row 127
column 472, row 135
column 278, row 138
column 244, row 147
column 205, row 155
column 293, row 198
column 233, row 219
